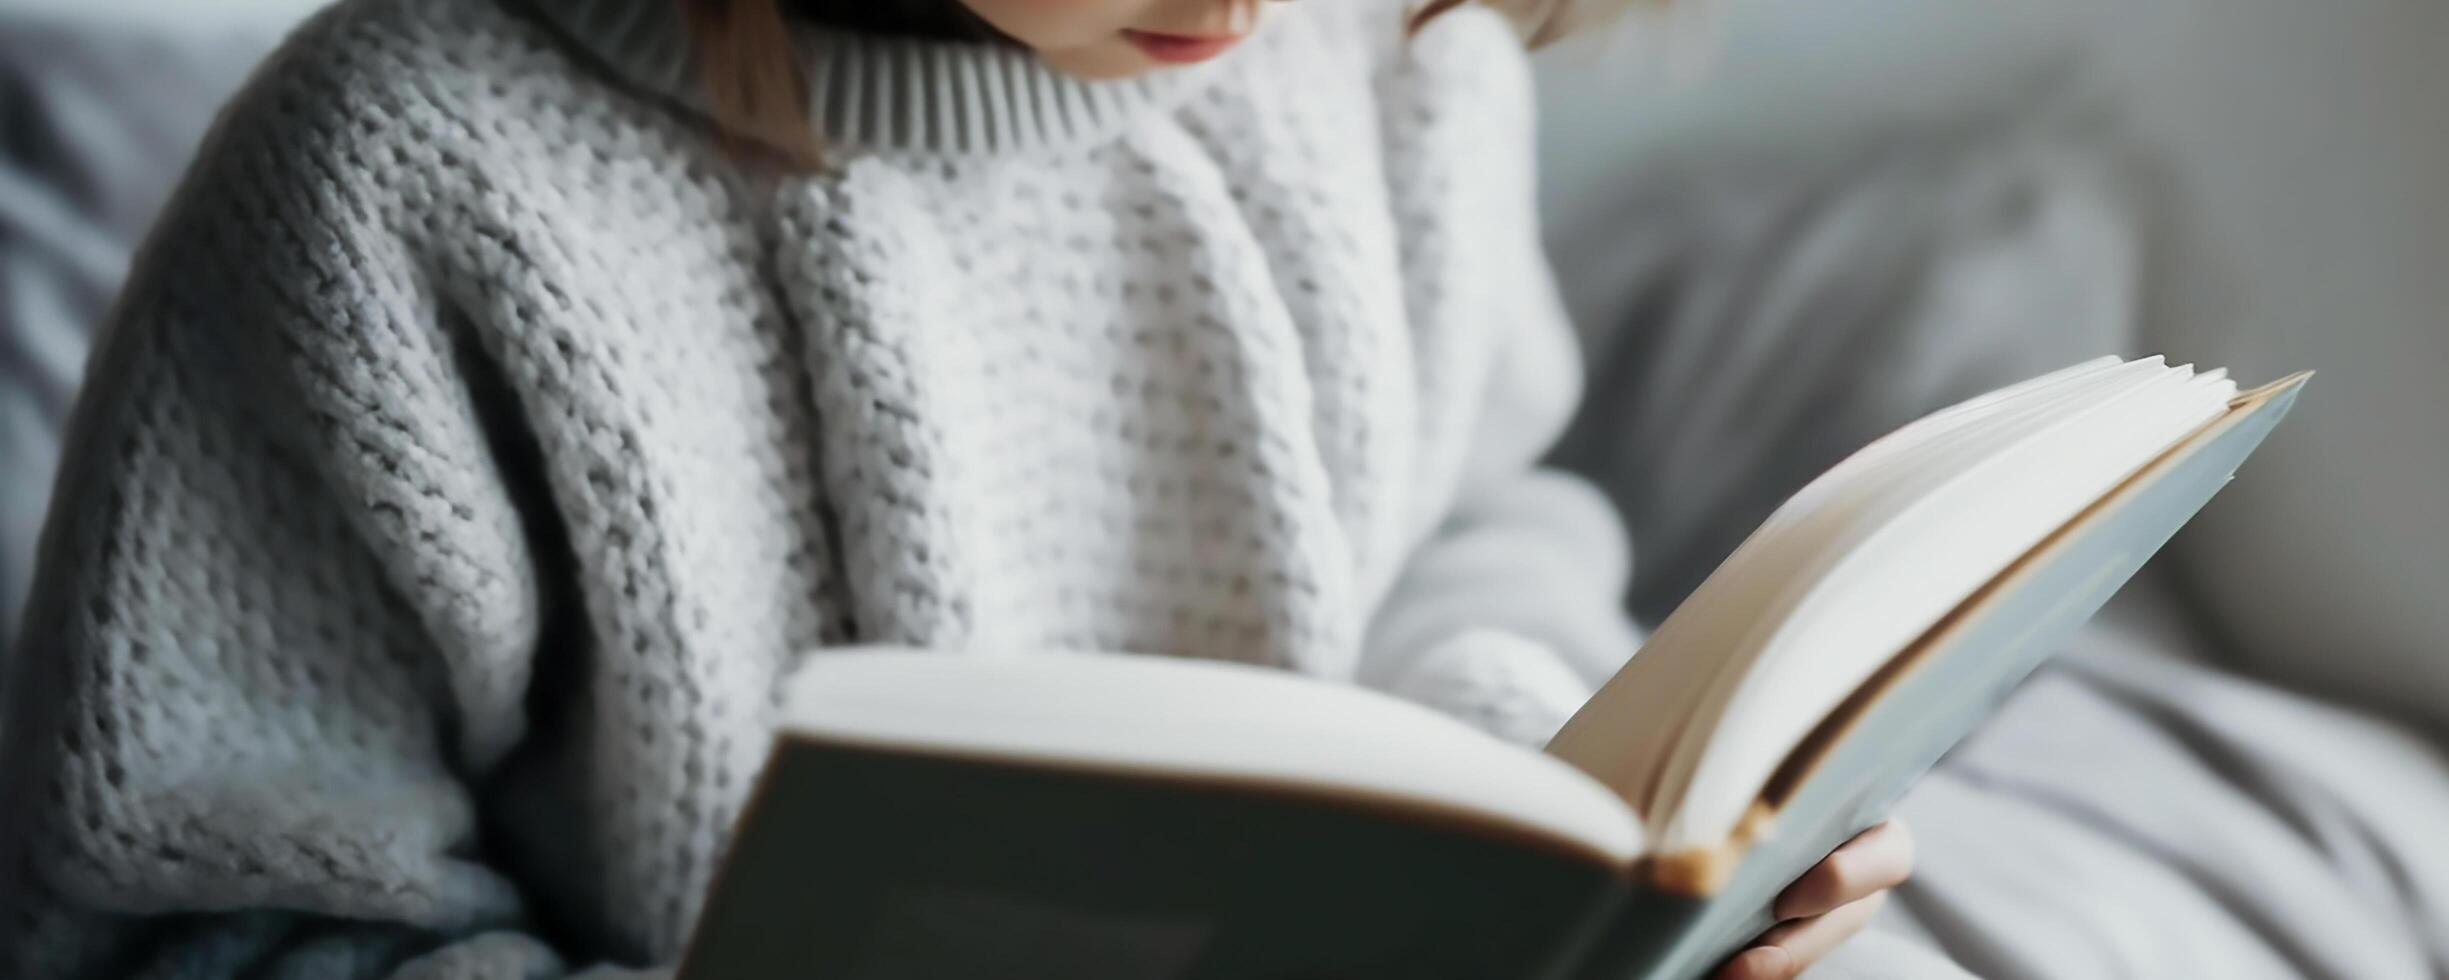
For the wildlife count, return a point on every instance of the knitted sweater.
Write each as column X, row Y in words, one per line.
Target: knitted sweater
column 479, row 446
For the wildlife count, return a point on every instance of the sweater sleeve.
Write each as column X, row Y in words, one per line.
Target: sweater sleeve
column 283, row 617
column 1509, row 612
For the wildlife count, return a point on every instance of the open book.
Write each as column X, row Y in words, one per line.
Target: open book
column 1128, row 818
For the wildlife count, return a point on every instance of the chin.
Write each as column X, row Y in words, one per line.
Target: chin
column 1103, row 64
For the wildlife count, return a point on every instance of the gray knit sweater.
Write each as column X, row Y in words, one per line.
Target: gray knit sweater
column 479, row 445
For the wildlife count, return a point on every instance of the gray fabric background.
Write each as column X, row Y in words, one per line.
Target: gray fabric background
column 1752, row 319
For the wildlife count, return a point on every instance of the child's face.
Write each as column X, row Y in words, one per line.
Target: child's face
column 1121, row 38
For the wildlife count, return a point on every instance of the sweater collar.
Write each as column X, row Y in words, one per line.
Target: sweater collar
column 889, row 93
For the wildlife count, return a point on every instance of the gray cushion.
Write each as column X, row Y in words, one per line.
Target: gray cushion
column 1755, row 317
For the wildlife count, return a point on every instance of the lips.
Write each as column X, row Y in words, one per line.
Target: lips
column 1181, row 49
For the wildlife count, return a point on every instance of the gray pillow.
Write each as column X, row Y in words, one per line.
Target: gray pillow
column 97, row 120
column 1754, row 317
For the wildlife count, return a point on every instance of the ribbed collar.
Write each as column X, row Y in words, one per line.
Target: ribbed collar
column 888, row 93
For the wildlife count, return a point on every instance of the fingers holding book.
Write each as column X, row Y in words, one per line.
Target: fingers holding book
column 1876, row 860
column 1828, row 905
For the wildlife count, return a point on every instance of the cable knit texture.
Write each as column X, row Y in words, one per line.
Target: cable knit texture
column 478, row 445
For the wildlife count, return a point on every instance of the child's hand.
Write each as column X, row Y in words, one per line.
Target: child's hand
column 1831, row 903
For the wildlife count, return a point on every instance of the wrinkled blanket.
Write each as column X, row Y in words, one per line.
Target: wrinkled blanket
column 2137, row 812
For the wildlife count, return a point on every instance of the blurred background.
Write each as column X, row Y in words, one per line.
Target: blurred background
column 1785, row 229
column 2290, row 172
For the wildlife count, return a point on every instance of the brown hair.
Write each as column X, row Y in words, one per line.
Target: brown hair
column 752, row 76
column 752, row 72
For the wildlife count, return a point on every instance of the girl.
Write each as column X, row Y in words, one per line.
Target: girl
column 519, row 389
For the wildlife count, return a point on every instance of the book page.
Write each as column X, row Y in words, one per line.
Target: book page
column 1199, row 719
column 1853, row 569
